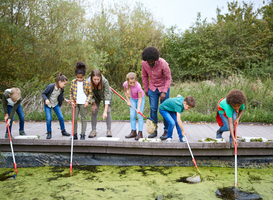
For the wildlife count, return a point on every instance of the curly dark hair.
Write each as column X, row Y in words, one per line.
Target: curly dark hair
column 80, row 68
column 150, row 53
column 236, row 97
column 190, row 101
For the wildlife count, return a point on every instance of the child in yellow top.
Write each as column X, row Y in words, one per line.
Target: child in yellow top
column 80, row 93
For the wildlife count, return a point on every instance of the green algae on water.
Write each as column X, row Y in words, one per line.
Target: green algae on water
column 134, row 182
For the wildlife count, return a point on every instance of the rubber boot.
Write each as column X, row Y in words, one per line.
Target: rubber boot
column 153, row 135
column 75, row 137
column 64, row 133
column 48, row 135
column 22, row 132
column 139, row 135
column 132, row 134
column 82, row 137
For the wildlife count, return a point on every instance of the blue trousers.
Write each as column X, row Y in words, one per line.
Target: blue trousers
column 225, row 127
column 133, row 114
column 21, row 116
column 154, row 99
column 171, row 119
column 59, row 114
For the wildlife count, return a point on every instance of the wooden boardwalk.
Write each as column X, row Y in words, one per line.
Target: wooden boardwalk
column 127, row 152
column 195, row 131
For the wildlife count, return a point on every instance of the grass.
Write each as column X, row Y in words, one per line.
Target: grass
column 207, row 94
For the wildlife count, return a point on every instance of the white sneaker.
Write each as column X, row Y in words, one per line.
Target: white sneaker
column 169, row 140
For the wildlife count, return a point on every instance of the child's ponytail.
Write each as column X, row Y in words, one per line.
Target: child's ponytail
column 61, row 78
column 80, row 68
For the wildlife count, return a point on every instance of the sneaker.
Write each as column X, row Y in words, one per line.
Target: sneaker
column 169, row 140
column 219, row 134
column 164, row 136
column 92, row 134
column 108, row 133
column 182, row 140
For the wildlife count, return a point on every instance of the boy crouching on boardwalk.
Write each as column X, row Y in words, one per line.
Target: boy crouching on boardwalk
column 171, row 110
column 11, row 103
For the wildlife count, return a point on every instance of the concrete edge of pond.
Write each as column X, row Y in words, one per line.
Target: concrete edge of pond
column 26, row 159
column 138, row 148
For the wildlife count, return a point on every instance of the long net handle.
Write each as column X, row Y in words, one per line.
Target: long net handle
column 193, row 160
column 235, row 152
column 11, row 146
column 72, row 139
column 126, row 102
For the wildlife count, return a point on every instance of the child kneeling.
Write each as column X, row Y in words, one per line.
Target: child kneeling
column 171, row 110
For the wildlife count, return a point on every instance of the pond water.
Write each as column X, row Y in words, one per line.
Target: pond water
column 135, row 182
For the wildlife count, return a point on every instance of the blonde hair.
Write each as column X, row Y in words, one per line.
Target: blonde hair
column 15, row 94
column 130, row 76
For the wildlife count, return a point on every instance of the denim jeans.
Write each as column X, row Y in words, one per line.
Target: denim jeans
column 153, row 99
column 225, row 127
column 133, row 114
column 21, row 116
column 171, row 119
column 59, row 114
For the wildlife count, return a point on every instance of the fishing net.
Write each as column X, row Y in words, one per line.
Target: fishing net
column 150, row 126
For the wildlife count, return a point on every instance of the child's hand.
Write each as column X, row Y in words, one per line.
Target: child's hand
column 86, row 104
column 234, row 141
column 104, row 116
column 68, row 101
column 184, row 133
column 8, row 122
column 129, row 103
column 6, row 117
column 138, row 110
column 236, row 121
column 94, row 108
column 47, row 102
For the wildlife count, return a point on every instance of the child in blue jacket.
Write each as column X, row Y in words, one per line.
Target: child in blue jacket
column 53, row 98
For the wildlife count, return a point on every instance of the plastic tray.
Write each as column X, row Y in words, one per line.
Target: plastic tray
column 217, row 140
column 108, row 139
column 149, row 140
column 26, row 137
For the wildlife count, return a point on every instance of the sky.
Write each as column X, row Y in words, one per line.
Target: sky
column 183, row 13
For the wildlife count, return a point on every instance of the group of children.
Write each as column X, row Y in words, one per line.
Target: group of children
column 96, row 88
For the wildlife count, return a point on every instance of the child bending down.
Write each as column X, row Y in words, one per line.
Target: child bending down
column 11, row 103
column 53, row 97
column 171, row 110
column 226, row 113
column 137, row 100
